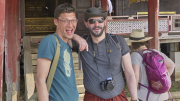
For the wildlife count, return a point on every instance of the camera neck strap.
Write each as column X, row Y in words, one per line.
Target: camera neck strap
column 108, row 54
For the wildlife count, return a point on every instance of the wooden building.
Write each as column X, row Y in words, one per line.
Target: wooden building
column 34, row 18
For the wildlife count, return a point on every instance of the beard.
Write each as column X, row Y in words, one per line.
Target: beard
column 96, row 34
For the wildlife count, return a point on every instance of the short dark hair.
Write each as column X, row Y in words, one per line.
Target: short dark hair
column 63, row 8
column 137, row 45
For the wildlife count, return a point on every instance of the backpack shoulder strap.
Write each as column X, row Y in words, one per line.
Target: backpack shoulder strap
column 85, row 36
column 54, row 65
column 114, row 37
column 140, row 52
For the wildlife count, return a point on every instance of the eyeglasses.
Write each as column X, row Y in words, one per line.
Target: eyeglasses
column 68, row 21
column 92, row 21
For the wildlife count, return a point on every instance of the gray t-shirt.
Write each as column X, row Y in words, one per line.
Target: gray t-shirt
column 95, row 73
column 137, row 59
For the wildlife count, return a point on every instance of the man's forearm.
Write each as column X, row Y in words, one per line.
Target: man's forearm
column 131, row 83
column 42, row 91
column 80, row 41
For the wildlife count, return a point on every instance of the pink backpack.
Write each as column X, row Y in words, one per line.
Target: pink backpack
column 157, row 74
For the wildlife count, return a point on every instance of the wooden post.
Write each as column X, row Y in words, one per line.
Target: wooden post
column 153, row 11
column 12, row 48
column 104, row 5
column 28, row 70
column 22, row 6
column 2, row 20
column 117, row 8
column 56, row 3
column 92, row 3
column 175, row 56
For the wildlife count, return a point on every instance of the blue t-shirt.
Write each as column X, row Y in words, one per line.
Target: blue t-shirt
column 63, row 87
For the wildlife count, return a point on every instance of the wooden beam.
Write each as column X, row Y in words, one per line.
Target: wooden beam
column 104, row 5
column 2, row 30
column 92, row 3
column 153, row 11
column 117, row 8
column 22, row 6
column 12, row 48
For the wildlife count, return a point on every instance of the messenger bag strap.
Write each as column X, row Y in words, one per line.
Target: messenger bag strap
column 54, row 65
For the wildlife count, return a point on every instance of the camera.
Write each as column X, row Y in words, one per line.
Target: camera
column 107, row 85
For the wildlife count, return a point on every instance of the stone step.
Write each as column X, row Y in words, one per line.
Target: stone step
column 79, row 81
column 80, row 89
column 79, row 74
column 81, row 97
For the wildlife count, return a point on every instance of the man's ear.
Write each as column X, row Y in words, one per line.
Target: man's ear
column 105, row 21
column 55, row 21
column 86, row 24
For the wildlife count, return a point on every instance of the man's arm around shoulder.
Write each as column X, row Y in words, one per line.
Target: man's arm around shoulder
column 80, row 41
column 43, row 66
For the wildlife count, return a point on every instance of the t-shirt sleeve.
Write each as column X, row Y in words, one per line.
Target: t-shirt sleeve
column 164, row 56
column 124, row 46
column 47, row 47
column 136, row 59
column 75, row 46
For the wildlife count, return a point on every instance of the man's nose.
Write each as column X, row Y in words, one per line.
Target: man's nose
column 70, row 23
column 96, row 23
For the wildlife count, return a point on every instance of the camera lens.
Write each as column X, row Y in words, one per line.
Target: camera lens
column 110, row 85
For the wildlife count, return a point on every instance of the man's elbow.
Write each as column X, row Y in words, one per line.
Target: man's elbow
column 172, row 65
column 39, row 82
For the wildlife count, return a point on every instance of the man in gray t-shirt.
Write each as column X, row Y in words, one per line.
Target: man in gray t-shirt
column 103, row 61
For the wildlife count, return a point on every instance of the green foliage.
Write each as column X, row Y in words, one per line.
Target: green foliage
column 175, row 86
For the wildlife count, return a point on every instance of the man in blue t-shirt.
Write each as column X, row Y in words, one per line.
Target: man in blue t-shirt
column 63, row 86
